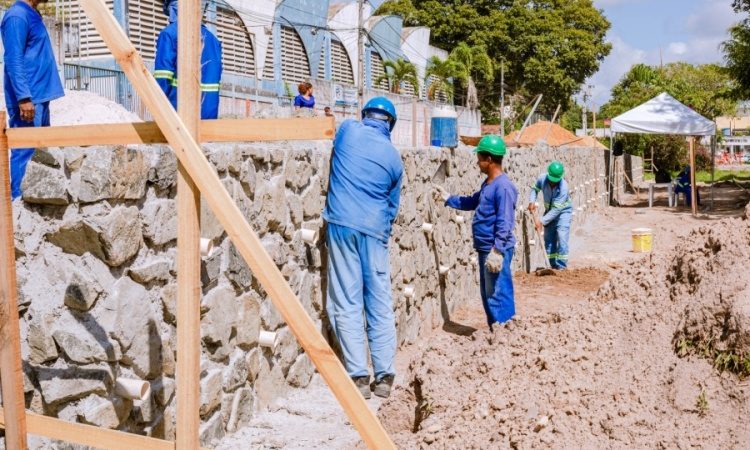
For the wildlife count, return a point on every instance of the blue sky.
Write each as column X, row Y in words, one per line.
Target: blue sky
column 684, row 30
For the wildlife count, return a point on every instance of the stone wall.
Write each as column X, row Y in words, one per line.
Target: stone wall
column 96, row 244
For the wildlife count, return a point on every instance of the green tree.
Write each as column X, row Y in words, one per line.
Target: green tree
column 472, row 62
column 549, row 46
column 397, row 72
column 737, row 56
column 439, row 77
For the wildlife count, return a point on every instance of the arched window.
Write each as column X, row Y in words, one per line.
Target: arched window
column 236, row 46
column 341, row 65
column 82, row 40
column 145, row 20
column 294, row 65
column 377, row 69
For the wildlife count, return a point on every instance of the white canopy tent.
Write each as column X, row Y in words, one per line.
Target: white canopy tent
column 663, row 114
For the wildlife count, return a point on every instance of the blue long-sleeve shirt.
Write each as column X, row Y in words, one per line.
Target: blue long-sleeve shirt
column 364, row 188
column 30, row 67
column 494, row 217
column 165, row 68
column 556, row 198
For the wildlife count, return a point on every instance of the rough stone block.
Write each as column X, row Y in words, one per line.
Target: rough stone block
column 210, row 391
column 44, row 185
column 273, row 213
column 220, row 314
column 248, row 320
column 102, row 412
column 168, row 298
column 162, row 167
column 152, row 271
column 162, row 389
column 114, row 238
column 41, row 344
column 61, row 383
column 82, row 291
column 236, row 372
column 159, row 218
column 243, row 407
column 301, row 372
column 237, row 271
column 212, row 430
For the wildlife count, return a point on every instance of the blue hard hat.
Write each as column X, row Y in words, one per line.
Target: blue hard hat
column 165, row 6
column 381, row 105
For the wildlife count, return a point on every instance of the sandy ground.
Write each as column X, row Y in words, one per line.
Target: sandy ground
column 311, row 418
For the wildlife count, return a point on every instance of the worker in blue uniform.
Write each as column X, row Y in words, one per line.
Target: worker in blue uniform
column 558, row 212
column 364, row 191
column 494, row 207
column 31, row 78
column 683, row 185
column 165, row 65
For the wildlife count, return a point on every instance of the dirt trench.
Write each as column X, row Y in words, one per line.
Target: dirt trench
column 654, row 359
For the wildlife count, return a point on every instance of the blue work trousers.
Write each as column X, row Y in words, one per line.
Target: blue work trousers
column 497, row 290
column 688, row 194
column 20, row 157
column 359, row 298
column 556, row 236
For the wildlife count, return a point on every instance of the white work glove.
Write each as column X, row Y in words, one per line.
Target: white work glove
column 439, row 193
column 494, row 262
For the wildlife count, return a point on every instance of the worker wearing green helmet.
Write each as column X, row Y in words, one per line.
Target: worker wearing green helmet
column 494, row 207
column 558, row 212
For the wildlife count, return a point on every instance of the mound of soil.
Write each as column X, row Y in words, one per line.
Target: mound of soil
column 603, row 374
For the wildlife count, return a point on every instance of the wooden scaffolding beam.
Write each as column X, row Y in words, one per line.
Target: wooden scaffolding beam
column 83, row 434
column 11, row 376
column 223, row 130
column 242, row 235
column 188, row 232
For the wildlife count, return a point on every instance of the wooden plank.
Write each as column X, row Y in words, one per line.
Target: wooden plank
column 242, row 235
column 188, row 233
column 10, row 340
column 224, row 130
column 92, row 436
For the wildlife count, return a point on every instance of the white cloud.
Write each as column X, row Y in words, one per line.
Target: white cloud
column 678, row 48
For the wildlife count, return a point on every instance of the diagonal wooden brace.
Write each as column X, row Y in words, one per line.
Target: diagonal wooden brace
column 242, row 235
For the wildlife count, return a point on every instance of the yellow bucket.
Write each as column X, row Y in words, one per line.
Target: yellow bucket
column 642, row 240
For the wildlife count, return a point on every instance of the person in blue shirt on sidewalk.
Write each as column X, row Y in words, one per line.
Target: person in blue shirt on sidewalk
column 364, row 191
column 558, row 212
column 165, row 64
column 494, row 207
column 31, row 78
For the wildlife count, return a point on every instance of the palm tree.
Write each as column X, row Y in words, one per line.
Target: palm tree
column 472, row 62
column 397, row 72
column 439, row 78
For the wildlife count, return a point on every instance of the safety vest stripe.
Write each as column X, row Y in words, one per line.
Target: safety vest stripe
column 562, row 205
column 205, row 87
column 165, row 74
column 536, row 188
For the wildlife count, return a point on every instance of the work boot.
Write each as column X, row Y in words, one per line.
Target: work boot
column 363, row 384
column 382, row 387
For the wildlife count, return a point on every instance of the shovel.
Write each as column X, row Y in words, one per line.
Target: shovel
column 545, row 269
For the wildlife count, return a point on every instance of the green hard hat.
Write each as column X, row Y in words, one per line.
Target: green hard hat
column 492, row 144
column 555, row 171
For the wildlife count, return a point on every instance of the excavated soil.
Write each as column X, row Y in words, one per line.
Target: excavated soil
column 620, row 370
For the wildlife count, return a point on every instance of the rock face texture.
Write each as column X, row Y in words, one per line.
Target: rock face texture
column 96, row 246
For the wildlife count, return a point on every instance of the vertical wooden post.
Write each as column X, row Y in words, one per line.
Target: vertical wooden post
column 693, row 187
column 14, row 407
column 189, row 47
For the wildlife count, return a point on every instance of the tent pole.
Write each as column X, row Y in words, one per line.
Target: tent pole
column 713, row 168
column 610, row 181
column 693, row 187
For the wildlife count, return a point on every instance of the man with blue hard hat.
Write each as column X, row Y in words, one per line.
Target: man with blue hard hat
column 558, row 212
column 494, row 207
column 165, row 65
column 364, row 191
column 31, row 78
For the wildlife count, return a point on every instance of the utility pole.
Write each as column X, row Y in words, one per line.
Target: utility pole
column 361, row 53
column 502, row 97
